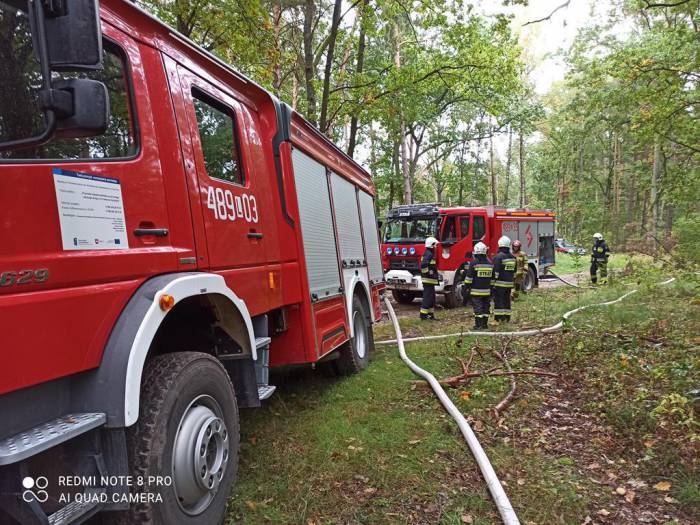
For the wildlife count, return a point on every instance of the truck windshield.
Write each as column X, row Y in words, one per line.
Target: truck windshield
column 410, row 230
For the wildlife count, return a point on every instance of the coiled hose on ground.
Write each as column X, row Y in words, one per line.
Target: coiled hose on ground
column 494, row 485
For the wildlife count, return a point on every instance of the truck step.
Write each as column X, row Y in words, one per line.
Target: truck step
column 30, row 442
column 78, row 510
column 265, row 391
column 262, row 342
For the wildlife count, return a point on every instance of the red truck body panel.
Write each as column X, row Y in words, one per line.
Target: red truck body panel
column 59, row 326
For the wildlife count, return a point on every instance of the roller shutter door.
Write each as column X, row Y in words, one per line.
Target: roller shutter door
column 316, row 219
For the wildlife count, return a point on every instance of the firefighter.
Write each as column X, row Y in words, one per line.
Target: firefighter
column 520, row 266
column 504, row 265
column 599, row 259
column 429, row 278
column 478, row 283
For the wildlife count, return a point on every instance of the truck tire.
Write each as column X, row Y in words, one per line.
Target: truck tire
column 354, row 354
column 529, row 280
column 188, row 429
column 403, row 297
column 453, row 296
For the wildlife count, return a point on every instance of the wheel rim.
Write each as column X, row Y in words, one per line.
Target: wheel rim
column 200, row 455
column 360, row 334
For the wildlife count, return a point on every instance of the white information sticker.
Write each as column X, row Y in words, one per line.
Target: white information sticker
column 90, row 210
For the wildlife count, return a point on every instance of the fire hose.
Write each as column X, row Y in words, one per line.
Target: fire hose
column 521, row 333
column 492, row 481
column 494, row 485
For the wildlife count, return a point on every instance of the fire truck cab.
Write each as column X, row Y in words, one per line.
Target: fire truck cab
column 170, row 230
column 458, row 229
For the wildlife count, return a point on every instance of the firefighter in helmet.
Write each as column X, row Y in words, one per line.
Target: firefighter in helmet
column 429, row 278
column 504, row 265
column 520, row 267
column 478, row 283
column 599, row 259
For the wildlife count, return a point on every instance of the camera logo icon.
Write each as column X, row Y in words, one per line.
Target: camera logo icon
column 34, row 489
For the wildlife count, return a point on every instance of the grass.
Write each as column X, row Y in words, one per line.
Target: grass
column 378, row 448
column 567, row 264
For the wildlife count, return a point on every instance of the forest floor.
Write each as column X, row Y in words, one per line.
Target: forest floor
column 612, row 440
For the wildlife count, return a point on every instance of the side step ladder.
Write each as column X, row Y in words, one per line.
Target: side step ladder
column 16, row 448
column 262, row 364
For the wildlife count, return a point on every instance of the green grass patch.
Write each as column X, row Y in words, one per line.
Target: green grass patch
column 378, row 447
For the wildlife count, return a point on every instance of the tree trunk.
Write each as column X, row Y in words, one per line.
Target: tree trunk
column 361, row 43
column 332, row 37
column 276, row 28
column 475, row 181
column 405, row 171
column 523, row 199
column 494, row 188
column 309, row 69
column 510, row 150
column 655, row 191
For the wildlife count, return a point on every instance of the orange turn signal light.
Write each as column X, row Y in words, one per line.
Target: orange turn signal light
column 166, row 302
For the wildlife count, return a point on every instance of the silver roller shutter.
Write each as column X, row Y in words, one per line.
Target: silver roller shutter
column 347, row 219
column 369, row 228
column 316, row 225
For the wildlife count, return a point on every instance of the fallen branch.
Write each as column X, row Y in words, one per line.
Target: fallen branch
column 493, row 372
column 513, row 385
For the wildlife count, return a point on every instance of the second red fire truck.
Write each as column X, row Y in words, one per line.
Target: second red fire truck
column 170, row 230
column 458, row 229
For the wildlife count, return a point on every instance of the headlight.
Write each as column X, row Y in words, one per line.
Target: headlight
column 412, row 251
column 396, row 251
column 404, row 251
column 388, row 250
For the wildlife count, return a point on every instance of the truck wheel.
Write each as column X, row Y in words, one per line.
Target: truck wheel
column 187, row 430
column 529, row 280
column 403, row 297
column 453, row 297
column 354, row 355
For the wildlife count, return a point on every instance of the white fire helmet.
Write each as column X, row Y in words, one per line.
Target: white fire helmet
column 598, row 236
column 431, row 242
column 480, row 248
column 504, row 242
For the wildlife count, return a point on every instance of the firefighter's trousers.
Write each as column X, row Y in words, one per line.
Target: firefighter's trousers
column 501, row 303
column 599, row 265
column 482, row 307
column 427, row 305
column 518, row 285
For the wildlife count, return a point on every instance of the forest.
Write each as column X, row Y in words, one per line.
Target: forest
column 437, row 99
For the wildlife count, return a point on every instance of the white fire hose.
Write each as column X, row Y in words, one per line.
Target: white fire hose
column 495, row 488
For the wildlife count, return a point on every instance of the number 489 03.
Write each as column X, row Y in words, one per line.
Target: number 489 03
column 229, row 207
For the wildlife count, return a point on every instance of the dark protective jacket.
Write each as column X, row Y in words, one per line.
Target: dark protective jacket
column 479, row 276
column 600, row 251
column 428, row 267
column 504, row 266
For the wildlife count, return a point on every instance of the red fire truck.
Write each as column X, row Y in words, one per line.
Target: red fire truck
column 169, row 231
column 458, row 230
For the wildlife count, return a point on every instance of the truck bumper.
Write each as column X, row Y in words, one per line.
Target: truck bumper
column 405, row 281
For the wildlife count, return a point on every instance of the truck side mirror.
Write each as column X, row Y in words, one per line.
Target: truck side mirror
column 73, row 34
column 89, row 114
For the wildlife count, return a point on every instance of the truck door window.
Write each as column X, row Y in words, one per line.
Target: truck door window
column 479, row 228
column 21, row 117
column 218, row 137
column 449, row 230
column 464, row 226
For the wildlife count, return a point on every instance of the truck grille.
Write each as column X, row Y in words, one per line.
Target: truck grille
column 404, row 264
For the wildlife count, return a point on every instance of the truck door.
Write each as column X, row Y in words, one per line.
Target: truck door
column 234, row 199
